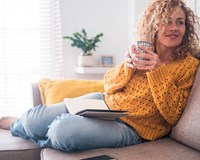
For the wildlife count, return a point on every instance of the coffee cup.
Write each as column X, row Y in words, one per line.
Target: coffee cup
column 142, row 43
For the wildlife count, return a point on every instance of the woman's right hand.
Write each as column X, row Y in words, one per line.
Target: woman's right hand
column 129, row 56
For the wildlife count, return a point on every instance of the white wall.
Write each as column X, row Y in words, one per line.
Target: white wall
column 107, row 16
column 191, row 4
column 116, row 19
column 136, row 9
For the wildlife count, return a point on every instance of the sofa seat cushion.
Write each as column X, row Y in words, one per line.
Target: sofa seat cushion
column 15, row 148
column 163, row 149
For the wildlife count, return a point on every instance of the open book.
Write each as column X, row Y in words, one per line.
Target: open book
column 93, row 108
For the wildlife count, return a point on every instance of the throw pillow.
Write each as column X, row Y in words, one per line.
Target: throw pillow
column 54, row 91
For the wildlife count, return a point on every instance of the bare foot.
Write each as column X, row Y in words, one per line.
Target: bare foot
column 6, row 122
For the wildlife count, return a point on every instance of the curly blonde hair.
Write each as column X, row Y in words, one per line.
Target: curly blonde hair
column 157, row 13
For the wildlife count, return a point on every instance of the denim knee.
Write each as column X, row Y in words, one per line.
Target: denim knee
column 66, row 136
column 26, row 127
column 34, row 123
column 32, row 126
column 37, row 119
column 60, row 134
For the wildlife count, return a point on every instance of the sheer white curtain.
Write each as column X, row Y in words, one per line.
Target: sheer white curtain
column 30, row 49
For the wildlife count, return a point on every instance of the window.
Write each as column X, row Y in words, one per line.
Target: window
column 30, row 49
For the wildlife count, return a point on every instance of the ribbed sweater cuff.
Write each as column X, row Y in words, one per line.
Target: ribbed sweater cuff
column 159, row 74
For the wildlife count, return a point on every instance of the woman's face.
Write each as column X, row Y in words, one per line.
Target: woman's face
column 170, row 35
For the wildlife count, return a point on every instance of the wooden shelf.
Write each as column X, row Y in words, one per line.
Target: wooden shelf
column 92, row 70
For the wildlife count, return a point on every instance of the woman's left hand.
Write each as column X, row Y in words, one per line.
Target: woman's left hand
column 151, row 60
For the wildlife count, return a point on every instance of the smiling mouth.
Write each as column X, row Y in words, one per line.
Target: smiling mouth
column 172, row 36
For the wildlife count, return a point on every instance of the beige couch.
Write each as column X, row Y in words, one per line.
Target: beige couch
column 183, row 143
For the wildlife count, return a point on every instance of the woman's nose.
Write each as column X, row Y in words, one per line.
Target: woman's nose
column 173, row 26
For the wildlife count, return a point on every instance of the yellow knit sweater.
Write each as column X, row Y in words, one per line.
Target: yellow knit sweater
column 155, row 100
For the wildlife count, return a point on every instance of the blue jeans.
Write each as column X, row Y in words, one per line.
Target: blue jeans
column 52, row 126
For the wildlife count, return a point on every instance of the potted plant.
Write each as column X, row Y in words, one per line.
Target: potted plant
column 81, row 40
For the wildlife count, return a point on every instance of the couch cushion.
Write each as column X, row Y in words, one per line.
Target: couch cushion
column 187, row 130
column 15, row 148
column 54, row 91
column 163, row 149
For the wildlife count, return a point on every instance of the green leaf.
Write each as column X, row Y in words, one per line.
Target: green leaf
column 80, row 40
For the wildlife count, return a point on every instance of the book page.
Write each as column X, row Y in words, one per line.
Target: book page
column 75, row 105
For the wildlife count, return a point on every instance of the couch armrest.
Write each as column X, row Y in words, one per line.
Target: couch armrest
column 36, row 94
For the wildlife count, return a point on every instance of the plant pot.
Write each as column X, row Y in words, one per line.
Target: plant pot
column 85, row 61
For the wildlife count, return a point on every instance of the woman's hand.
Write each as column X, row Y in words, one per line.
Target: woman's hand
column 129, row 57
column 142, row 61
column 146, row 61
column 150, row 61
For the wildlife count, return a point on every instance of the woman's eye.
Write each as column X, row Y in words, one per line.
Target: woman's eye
column 181, row 23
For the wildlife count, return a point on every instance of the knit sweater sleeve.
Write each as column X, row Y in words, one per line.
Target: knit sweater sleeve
column 170, row 92
column 115, row 79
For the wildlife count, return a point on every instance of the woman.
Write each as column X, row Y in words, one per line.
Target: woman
column 154, row 91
